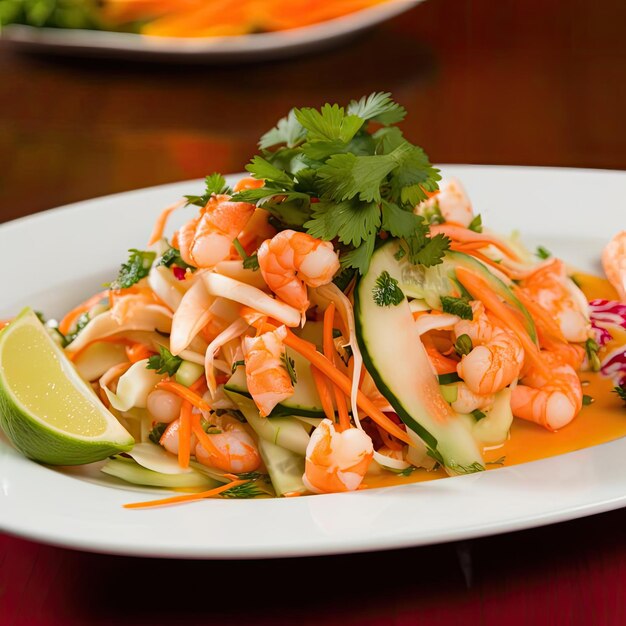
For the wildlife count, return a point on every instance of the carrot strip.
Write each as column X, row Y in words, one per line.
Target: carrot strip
column 329, row 353
column 67, row 322
column 479, row 288
column 138, row 352
column 203, row 438
column 161, row 222
column 199, row 386
column 185, row 393
column 321, row 384
column 248, row 183
column 467, row 236
column 184, row 435
column 309, row 352
column 387, row 439
column 192, row 497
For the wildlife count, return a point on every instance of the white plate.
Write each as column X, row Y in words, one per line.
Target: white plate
column 63, row 255
column 255, row 47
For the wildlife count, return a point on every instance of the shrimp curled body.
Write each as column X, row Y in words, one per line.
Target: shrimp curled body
column 336, row 461
column 497, row 355
column 266, row 375
column 291, row 260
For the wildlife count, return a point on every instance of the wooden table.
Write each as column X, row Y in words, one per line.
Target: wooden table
column 515, row 82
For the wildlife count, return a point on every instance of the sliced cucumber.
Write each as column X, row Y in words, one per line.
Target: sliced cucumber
column 430, row 283
column 285, row 432
column 397, row 361
column 188, row 373
column 132, row 472
column 285, row 468
column 305, row 399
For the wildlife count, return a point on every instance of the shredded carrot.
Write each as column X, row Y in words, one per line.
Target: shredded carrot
column 467, row 236
column 389, row 441
column 192, row 497
column 309, row 352
column 203, row 438
column 138, row 352
column 161, row 223
column 70, row 318
column 480, row 289
column 321, row 384
column 184, row 435
column 330, row 353
column 199, row 386
column 185, row 393
column 441, row 363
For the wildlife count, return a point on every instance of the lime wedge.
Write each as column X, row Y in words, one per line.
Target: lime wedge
column 46, row 409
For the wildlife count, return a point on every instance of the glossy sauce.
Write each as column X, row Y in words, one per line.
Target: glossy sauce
column 602, row 421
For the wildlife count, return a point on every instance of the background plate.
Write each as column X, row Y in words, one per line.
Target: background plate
column 257, row 47
column 67, row 253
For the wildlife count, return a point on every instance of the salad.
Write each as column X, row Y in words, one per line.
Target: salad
column 178, row 18
column 336, row 315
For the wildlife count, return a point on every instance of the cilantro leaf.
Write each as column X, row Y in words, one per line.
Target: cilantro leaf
column 427, row 251
column 457, row 306
column 591, row 350
column 587, row 400
column 359, row 258
column 172, row 257
column 330, row 123
column 164, row 362
column 378, row 107
column 261, row 168
column 400, row 222
column 136, row 268
column 620, row 391
column 543, row 253
column 476, row 224
column 290, row 366
column 287, row 131
column 414, row 175
column 214, row 184
column 81, row 322
column 350, row 221
column 386, row 291
column 157, row 432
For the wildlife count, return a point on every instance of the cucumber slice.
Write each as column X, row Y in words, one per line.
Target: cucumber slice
column 305, row 399
column 397, row 361
column 188, row 373
column 132, row 472
column 285, row 468
column 430, row 283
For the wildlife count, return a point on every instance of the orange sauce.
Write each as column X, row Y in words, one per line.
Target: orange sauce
column 602, row 421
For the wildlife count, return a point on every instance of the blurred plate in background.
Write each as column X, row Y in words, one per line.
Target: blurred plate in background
column 254, row 47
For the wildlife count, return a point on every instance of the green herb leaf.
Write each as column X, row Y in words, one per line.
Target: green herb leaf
column 287, row 131
column 330, row 123
column 81, row 322
column 378, row 107
column 386, row 291
column 172, row 257
column 476, row 224
column 543, row 253
column 457, row 306
column 359, row 258
column 427, row 251
column 591, row 349
column 164, row 362
column 620, row 391
column 478, row 415
column 137, row 268
column 214, row 184
column 463, row 345
column 290, row 366
column 587, row 400
column 251, row 263
column 245, row 490
column 261, row 168
column 157, row 432
column 466, row 469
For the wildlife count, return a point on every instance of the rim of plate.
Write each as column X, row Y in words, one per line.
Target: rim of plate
column 53, row 506
column 276, row 41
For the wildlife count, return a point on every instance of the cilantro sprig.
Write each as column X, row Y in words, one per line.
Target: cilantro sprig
column 329, row 172
column 164, row 362
column 215, row 184
column 135, row 269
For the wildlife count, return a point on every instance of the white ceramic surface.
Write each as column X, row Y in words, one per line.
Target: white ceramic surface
column 73, row 250
column 257, row 47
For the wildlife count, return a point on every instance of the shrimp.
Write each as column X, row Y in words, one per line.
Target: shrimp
column 497, row 355
column 614, row 263
column 551, row 399
column 170, row 438
column 549, row 286
column 268, row 380
column 468, row 401
column 235, row 449
column 453, row 202
column 207, row 239
column 336, row 461
column 291, row 260
column 256, row 231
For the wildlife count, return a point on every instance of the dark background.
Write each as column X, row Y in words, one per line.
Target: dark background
column 506, row 82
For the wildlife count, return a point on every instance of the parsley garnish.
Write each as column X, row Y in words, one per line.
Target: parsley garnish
column 81, row 322
column 457, row 306
column 542, row 253
column 164, row 362
column 157, row 432
column 325, row 173
column 463, row 345
column 290, row 366
column 591, row 349
column 137, row 268
column 172, row 257
column 386, row 291
column 250, row 262
column 620, row 391
column 214, row 184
